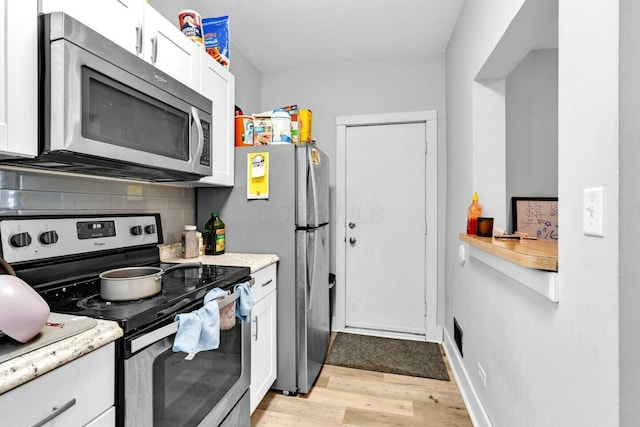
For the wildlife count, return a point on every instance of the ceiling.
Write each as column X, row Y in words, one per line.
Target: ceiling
column 278, row 35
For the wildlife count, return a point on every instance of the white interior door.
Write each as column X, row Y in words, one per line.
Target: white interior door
column 385, row 227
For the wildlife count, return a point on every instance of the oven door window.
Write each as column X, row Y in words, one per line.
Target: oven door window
column 120, row 115
column 184, row 391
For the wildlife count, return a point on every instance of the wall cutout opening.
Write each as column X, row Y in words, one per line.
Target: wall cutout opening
column 515, row 113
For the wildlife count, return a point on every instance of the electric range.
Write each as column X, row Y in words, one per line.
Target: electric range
column 61, row 257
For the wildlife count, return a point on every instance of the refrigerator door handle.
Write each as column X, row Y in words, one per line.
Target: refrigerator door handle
column 314, row 187
column 311, row 263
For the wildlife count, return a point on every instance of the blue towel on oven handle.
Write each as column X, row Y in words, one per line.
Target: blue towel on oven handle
column 200, row 329
column 244, row 302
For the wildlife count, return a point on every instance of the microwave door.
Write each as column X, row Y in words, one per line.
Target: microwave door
column 111, row 113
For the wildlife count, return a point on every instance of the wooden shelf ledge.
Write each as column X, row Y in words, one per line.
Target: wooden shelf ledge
column 533, row 263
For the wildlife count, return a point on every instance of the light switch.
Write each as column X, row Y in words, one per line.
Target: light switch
column 593, row 212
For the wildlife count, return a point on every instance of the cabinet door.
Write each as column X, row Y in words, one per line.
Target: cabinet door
column 263, row 348
column 118, row 20
column 18, row 78
column 171, row 51
column 218, row 84
column 106, row 419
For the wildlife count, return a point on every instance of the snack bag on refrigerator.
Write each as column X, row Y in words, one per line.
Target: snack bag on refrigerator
column 216, row 38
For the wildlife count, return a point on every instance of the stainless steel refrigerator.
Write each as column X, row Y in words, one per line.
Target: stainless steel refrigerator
column 292, row 222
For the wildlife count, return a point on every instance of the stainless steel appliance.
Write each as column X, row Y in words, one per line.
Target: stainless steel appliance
column 292, row 222
column 105, row 111
column 62, row 257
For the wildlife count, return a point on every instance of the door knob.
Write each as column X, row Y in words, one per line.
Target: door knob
column 352, row 240
column 352, row 225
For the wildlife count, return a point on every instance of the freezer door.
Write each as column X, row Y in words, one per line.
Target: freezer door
column 312, row 171
column 312, row 303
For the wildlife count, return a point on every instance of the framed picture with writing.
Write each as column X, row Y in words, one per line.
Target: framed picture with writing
column 536, row 216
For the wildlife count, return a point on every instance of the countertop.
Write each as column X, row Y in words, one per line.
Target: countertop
column 541, row 254
column 33, row 364
column 171, row 253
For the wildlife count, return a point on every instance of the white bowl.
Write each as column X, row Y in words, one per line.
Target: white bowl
column 23, row 312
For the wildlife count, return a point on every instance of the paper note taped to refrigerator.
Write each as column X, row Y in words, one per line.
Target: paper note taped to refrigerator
column 258, row 176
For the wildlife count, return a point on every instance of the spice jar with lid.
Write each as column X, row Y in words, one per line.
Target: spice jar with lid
column 190, row 242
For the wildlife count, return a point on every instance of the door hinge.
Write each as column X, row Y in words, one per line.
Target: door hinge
column 426, row 145
column 425, row 228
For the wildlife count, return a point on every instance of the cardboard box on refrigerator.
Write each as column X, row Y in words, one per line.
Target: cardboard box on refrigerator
column 262, row 129
column 295, row 129
column 305, row 123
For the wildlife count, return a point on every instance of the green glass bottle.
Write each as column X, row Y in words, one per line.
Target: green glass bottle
column 214, row 238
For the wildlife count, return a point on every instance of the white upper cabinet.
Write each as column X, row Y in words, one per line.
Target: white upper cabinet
column 18, row 79
column 167, row 48
column 118, row 20
column 141, row 30
column 218, row 84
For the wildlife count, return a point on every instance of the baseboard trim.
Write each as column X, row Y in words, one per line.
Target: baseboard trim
column 479, row 416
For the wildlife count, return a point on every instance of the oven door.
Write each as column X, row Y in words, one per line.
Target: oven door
column 162, row 388
column 109, row 104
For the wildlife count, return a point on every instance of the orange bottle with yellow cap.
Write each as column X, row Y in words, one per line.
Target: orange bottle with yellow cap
column 473, row 212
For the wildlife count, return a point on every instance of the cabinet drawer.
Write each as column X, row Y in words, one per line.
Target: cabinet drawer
column 265, row 282
column 86, row 385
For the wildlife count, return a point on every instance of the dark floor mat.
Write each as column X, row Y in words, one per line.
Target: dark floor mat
column 394, row 356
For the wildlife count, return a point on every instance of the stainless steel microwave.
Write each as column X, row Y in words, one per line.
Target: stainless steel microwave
column 105, row 111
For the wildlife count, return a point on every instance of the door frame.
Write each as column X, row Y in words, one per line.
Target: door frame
column 433, row 330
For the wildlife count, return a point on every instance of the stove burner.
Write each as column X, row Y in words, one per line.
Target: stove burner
column 181, row 289
column 96, row 302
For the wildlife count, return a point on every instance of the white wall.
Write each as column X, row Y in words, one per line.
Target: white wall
column 547, row 364
column 532, row 126
column 405, row 84
column 248, row 82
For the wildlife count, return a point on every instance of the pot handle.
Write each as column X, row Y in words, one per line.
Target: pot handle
column 183, row 265
column 5, row 268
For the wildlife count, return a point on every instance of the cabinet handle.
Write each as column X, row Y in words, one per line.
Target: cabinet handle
column 255, row 320
column 154, row 49
column 139, row 39
column 267, row 282
column 56, row 411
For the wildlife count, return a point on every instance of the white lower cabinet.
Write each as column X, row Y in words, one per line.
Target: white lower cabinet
column 264, row 363
column 85, row 387
column 106, row 419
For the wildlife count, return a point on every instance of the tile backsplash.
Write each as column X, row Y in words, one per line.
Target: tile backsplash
column 26, row 192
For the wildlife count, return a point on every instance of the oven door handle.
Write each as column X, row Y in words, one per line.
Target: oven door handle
column 170, row 329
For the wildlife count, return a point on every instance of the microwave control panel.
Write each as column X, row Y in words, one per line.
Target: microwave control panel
column 205, row 158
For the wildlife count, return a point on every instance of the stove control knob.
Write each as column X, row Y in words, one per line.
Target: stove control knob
column 136, row 230
column 49, row 237
column 20, row 240
column 150, row 229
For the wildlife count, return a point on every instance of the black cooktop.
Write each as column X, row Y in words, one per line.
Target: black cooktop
column 62, row 257
column 181, row 289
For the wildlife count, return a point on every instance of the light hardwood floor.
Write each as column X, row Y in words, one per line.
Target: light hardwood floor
column 353, row 397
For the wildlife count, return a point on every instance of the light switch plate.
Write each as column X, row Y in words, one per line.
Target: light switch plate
column 593, row 212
